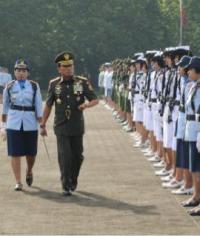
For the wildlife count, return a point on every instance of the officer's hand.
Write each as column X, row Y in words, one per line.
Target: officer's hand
column 198, row 142
column 43, row 131
column 82, row 106
column 3, row 131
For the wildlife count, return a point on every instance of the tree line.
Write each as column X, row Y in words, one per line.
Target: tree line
column 94, row 30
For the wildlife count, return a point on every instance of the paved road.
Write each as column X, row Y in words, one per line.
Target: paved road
column 117, row 193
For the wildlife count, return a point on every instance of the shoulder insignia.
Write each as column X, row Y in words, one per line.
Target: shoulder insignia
column 33, row 82
column 57, row 79
column 10, row 84
column 81, row 77
column 53, row 82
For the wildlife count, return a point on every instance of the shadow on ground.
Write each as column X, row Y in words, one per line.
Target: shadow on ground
column 87, row 199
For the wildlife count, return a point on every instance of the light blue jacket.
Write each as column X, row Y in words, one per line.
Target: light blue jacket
column 192, row 126
column 22, row 97
column 185, row 86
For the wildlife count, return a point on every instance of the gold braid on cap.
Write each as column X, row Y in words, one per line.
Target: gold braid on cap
column 69, row 62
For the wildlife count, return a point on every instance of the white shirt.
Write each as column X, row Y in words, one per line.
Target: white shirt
column 101, row 79
column 108, row 80
column 5, row 78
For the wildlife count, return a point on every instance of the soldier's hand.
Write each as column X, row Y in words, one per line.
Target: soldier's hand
column 82, row 106
column 43, row 131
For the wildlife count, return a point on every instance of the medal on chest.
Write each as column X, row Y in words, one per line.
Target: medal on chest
column 58, row 90
column 78, row 88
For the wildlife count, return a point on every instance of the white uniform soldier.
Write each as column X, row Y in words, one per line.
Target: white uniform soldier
column 101, row 79
column 156, row 105
column 108, row 84
column 149, row 55
column 168, row 95
column 139, row 98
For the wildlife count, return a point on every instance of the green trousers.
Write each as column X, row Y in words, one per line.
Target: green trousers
column 70, row 158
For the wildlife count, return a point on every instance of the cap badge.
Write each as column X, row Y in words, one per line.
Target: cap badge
column 66, row 56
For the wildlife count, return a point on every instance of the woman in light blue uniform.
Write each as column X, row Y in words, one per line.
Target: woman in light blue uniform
column 192, row 129
column 22, row 112
column 182, row 149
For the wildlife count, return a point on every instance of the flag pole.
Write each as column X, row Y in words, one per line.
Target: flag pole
column 181, row 22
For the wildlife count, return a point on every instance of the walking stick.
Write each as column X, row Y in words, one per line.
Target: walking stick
column 46, row 149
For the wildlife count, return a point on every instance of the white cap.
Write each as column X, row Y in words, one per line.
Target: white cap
column 158, row 54
column 186, row 48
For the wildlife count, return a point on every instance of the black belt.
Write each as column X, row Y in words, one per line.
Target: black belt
column 193, row 117
column 190, row 117
column 22, row 108
column 136, row 92
column 153, row 100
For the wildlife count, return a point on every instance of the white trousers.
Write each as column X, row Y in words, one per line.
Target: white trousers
column 138, row 111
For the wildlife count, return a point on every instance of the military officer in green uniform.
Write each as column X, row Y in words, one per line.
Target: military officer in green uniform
column 68, row 92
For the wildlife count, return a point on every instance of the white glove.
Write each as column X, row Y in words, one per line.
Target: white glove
column 3, row 131
column 198, row 142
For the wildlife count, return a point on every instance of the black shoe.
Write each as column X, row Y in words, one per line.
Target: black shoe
column 73, row 186
column 190, row 204
column 66, row 192
column 29, row 179
column 194, row 213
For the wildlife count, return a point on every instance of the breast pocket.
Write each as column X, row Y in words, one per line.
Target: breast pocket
column 14, row 96
column 28, row 96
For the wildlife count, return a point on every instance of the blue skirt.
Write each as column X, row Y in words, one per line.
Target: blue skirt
column 22, row 143
column 1, row 89
column 182, row 154
column 194, row 157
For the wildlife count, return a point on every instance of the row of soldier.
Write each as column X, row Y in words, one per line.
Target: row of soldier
column 157, row 95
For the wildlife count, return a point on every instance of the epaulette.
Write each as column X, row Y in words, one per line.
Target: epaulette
column 54, row 80
column 33, row 82
column 10, row 84
column 81, row 77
